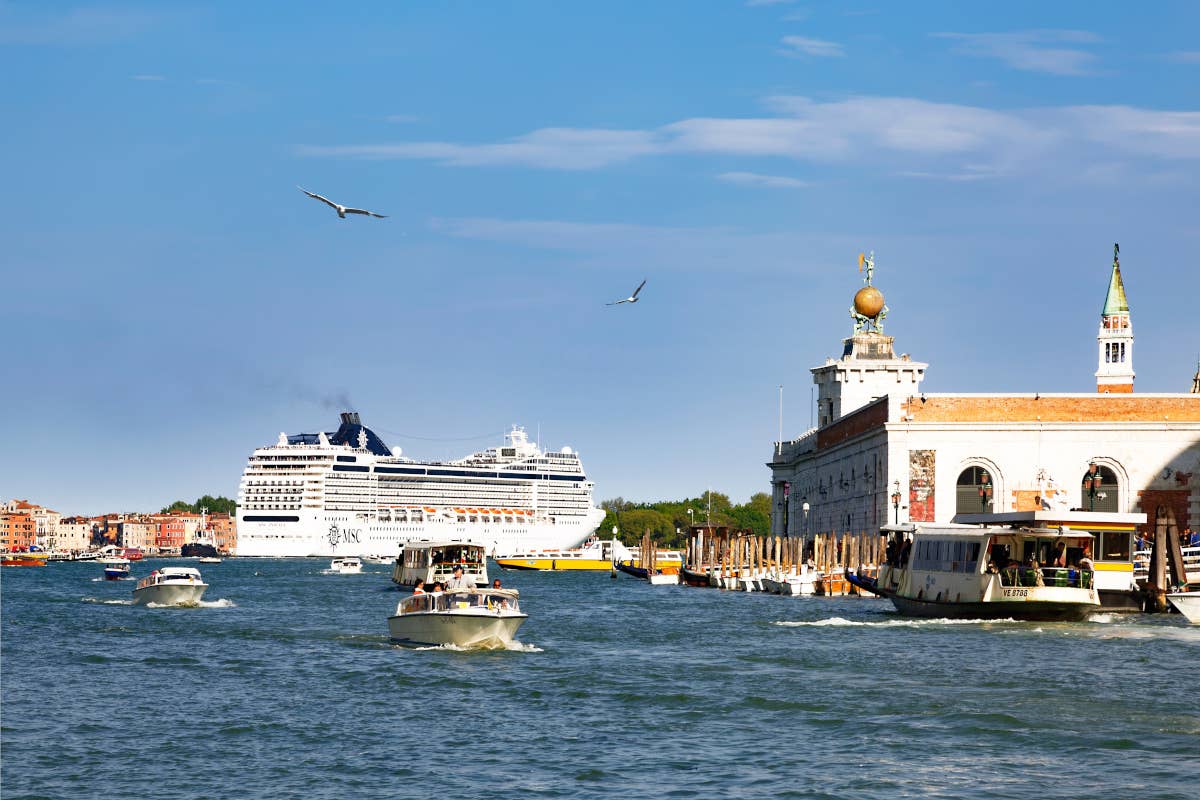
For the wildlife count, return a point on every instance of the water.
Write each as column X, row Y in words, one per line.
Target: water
column 284, row 685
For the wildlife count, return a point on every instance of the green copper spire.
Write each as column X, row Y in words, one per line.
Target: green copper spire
column 1115, row 303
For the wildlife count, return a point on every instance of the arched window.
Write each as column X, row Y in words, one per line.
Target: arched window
column 974, row 492
column 1099, row 491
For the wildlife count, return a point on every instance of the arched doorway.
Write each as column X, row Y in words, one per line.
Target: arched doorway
column 1100, row 490
column 974, row 492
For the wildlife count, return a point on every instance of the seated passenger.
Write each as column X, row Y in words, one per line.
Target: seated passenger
column 1085, row 561
column 460, row 581
column 420, row 587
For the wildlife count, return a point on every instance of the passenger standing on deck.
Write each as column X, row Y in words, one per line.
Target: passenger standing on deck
column 1085, row 560
column 459, row 581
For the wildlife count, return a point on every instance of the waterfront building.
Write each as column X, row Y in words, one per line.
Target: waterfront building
column 17, row 530
column 74, row 534
column 885, row 451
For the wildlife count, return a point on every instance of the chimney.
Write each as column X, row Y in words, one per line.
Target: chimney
column 350, row 418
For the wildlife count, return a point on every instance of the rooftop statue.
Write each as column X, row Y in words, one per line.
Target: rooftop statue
column 869, row 310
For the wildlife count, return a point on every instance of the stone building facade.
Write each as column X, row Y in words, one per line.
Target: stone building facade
column 885, row 451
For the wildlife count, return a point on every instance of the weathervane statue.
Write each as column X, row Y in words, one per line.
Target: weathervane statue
column 868, row 310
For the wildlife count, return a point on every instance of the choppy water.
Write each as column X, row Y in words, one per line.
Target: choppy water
column 284, row 685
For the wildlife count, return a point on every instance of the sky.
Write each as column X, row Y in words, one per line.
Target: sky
column 172, row 301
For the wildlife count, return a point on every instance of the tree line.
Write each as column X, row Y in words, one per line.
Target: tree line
column 215, row 505
column 668, row 520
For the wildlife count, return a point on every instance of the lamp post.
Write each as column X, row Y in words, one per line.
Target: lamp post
column 691, row 522
column 896, row 500
column 1091, row 484
column 787, row 488
column 985, row 493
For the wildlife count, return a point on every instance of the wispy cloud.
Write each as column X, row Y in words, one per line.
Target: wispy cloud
column 149, row 78
column 901, row 135
column 75, row 27
column 1032, row 51
column 802, row 45
column 1184, row 56
column 756, row 179
column 401, row 118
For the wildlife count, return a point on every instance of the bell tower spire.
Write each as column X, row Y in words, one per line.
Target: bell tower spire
column 1115, row 356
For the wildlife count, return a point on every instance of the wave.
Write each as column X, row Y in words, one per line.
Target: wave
column 838, row 622
column 99, row 601
column 512, row 647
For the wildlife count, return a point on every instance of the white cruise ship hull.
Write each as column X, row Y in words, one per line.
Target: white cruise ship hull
column 322, row 535
column 346, row 493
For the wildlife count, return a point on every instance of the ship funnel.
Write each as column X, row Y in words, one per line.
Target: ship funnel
column 350, row 418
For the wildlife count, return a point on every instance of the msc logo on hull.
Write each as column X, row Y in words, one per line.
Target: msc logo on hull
column 347, row 535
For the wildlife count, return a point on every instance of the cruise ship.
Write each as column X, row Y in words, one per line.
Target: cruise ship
column 346, row 493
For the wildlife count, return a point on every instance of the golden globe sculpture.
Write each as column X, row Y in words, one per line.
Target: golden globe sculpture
column 868, row 301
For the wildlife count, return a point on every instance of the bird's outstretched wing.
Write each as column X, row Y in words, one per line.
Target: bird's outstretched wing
column 324, row 200
column 365, row 213
column 638, row 289
column 617, row 303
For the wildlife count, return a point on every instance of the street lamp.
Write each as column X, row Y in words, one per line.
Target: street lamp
column 985, row 493
column 1091, row 484
column 896, row 500
column 691, row 522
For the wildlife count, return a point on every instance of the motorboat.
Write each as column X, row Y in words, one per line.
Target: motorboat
column 116, row 568
column 435, row 562
column 21, row 560
column 209, row 560
column 348, row 565
column 1186, row 603
column 956, row 571
column 170, row 586
column 378, row 560
column 482, row 618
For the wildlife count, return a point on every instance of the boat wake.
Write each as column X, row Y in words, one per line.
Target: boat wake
column 490, row 644
column 101, row 602
column 842, row 622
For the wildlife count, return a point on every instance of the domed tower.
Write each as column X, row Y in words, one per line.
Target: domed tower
column 1115, row 355
column 869, row 367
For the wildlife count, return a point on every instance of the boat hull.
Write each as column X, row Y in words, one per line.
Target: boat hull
column 170, row 594
column 556, row 564
column 1046, row 611
column 1186, row 603
column 460, row 630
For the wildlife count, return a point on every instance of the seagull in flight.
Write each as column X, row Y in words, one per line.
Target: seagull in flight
column 633, row 298
column 341, row 210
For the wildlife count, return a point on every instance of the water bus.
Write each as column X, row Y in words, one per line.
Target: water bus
column 434, row 562
column 954, row 571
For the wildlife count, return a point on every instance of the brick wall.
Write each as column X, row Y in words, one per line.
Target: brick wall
column 1149, row 501
column 1082, row 408
column 872, row 415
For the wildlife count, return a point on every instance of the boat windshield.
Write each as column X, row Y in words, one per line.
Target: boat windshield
column 480, row 600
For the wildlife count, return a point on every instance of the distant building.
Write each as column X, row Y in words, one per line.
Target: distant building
column 74, row 534
column 17, row 530
column 885, row 451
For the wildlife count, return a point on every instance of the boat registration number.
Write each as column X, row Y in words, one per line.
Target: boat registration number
column 1016, row 592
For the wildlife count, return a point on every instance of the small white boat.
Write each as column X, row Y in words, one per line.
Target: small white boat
column 170, row 586
column 115, row 568
column 349, row 565
column 664, row 578
column 1186, row 603
column 209, row 560
column 379, row 560
column 486, row 618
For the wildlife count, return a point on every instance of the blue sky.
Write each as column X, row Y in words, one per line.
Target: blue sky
column 173, row 301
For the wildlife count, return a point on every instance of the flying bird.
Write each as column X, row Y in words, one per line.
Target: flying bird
column 341, row 210
column 633, row 298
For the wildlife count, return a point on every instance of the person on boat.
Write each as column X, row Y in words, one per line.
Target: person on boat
column 459, row 580
column 1060, row 555
column 420, row 587
column 1085, row 560
column 496, row 583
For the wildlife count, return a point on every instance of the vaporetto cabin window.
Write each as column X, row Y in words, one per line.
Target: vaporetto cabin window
column 947, row 556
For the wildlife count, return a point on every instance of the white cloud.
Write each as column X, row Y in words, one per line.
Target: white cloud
column 756, row 179
column 802, row 45
column 897, row 135
column 1031, row 50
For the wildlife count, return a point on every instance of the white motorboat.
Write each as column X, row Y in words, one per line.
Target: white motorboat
column 484, row 618
column 170, row 586
column 1186, row 603
column 115, row 568
column 209, row 560
column 346, row 566
column 379, row 560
